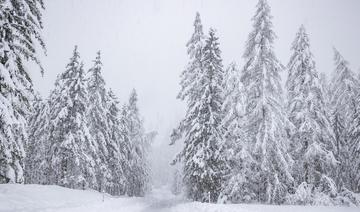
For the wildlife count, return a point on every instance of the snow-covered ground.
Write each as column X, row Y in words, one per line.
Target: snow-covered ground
column 38, row 198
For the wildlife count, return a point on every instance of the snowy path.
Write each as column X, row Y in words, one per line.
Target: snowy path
column 38, row 198
column 161, row 200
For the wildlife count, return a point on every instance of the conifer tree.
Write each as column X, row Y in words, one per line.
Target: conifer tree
column 126, row 148
column 37, row 159
column 232, row 123
column 234, row 190
column 266, row 121
column 97, row 122
column 138, row 175
column 312, row 141
column 118, row 148
column 72, row 162
column 189, row 77
column 353, row 148
column 20, row 26
column 345, row 90
column 205, row 165
column 233, row 103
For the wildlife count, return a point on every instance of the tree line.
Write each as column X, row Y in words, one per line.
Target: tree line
column 247, row 139
column 78, row 137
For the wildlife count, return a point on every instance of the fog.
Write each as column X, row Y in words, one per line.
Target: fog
column 143, row 46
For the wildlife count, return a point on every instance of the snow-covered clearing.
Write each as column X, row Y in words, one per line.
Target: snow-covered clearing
column 38, row 198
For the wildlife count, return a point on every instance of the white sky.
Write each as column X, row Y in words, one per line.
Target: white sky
column 143, row 42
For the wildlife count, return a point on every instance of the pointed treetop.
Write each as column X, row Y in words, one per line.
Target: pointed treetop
column 301, row 63
column 96, row 81
column 301, row 48
column 339, row 59
column 76, row 52
column 81, row 70
column 342, row 73
column 74, row 60
column 262, row 17
column 302, row 40
column 262, row 34
column 263, row 7
column 197, row 24
column 195, row 43
column 212, row 32
column 212, row 49
column 97, row 61
column 112, row 100
column 97, row 64
column 133, row 97
column 98, row 58
column 212, row 37
column 341, row 67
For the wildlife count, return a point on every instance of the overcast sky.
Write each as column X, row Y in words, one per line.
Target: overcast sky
column 143, row 42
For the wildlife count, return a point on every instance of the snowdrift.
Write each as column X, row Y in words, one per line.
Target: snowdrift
column 38, row 198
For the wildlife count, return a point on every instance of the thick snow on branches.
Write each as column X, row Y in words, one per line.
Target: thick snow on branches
column 301, row 149
column 246, row 138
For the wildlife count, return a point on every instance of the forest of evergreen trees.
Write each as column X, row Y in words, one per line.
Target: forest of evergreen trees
column 78, row 137
column 247, row 139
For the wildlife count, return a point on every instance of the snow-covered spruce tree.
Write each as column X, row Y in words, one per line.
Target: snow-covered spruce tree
column 353, row 147
column 233, row 103
column 97, row 122
column 205, row 165
column 345, row 90
column 189, row 76
column 235, row 189
column 312, row 140
column 132, row 126
column 37, row 159
column 233, row 108
column 118, row 148
column 266, row 120
column 72, row 152
column 20, row 28
column 126, row 148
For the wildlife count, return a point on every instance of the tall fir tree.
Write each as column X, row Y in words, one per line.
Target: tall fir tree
column 266, row 120
column 20, row 26
column 37, row 148
column 126, row 147
column 344, row 98
column 138, row 175
column 189, row 76
column 312, row 141
column 72, row 162
column 353, row 148
column 205, row 165
column 234, row 190
column 233, row 103
column 97, row 121
column 118, row 148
